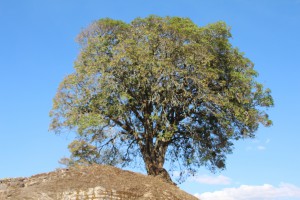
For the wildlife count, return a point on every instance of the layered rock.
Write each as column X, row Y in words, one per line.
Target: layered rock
column 90, row 183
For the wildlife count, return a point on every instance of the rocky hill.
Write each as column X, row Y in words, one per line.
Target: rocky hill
column 95, row 182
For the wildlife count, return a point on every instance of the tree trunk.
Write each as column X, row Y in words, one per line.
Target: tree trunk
column 156, row 170
column 154, row 158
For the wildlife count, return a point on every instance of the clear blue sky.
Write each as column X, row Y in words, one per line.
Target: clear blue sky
column 37, row 49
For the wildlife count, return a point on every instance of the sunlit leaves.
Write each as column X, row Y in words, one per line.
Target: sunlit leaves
column 160, row 87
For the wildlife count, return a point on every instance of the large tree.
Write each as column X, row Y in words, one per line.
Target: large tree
column 163, row 89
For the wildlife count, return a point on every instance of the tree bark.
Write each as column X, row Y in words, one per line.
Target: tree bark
column 154, row 158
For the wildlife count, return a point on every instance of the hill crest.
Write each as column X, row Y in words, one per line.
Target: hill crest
column 96, row 182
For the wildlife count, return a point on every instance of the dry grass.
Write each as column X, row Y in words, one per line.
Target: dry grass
column 119, row 183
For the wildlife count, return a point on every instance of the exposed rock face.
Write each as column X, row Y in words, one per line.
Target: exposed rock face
column 96, row 182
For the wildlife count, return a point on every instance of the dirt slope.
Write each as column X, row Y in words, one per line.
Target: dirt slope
column 95, row 182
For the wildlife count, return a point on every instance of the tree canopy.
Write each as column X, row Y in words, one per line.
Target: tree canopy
column 162, row 89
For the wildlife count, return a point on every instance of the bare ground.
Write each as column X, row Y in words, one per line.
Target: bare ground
column 93, row 182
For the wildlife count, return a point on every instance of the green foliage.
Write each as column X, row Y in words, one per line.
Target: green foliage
column 161, row 88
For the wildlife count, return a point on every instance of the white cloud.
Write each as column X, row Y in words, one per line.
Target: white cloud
column 261, row 148
column 251, row 192
column 212, row 180
column 258, row 145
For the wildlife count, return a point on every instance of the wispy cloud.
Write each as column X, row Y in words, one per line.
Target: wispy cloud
column 261, row 148
column 258, row 145
column 252, row 192
column 212, row 180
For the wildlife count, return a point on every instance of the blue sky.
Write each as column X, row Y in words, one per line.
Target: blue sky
column 38, row 48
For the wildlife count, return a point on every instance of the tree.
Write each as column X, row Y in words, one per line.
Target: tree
column 163, row 89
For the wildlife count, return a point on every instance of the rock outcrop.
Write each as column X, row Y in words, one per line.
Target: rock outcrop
column 95, row 182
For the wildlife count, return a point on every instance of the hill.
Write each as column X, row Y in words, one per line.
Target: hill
column 96, row 182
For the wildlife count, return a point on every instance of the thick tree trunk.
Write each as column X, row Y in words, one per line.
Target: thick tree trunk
column 154, row 158
column 156, row 170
